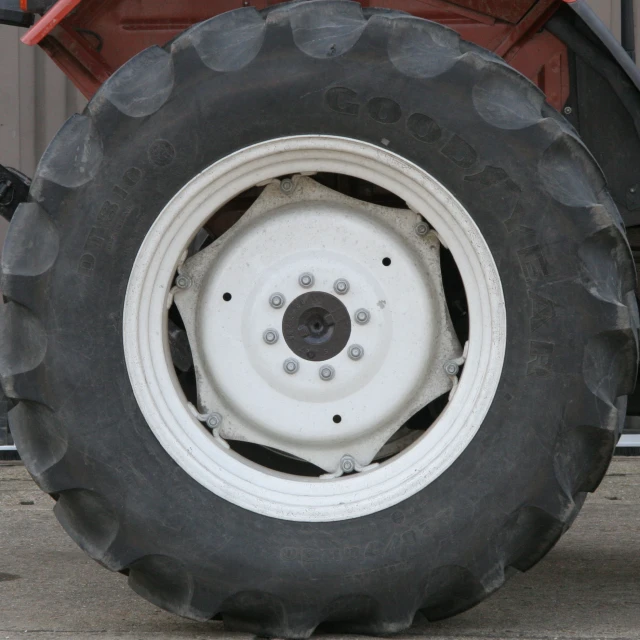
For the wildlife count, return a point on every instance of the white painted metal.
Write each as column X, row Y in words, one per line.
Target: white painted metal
column 629, row 440
column 338, row 238
column 192, row 445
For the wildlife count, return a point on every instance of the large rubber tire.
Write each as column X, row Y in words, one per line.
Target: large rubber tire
column 450, row 107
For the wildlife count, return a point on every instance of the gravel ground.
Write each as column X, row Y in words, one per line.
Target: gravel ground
column 587, row 587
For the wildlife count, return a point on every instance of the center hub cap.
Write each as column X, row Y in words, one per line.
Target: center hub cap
column 316, row 326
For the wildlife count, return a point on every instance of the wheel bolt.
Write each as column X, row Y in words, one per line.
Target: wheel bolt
column 183, row 282
column 341, row 286
column 356, row 352
column 286, row 185
column 327, row 372
column 422, row 228
column 306, row 280
column 290, row 365
column 451, row 368
column 362, row 316
column 276, row 300
column 214, row 420
column 270, row 336
column 347, row 464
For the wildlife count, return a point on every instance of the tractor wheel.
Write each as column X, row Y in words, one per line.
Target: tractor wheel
column 317, row 316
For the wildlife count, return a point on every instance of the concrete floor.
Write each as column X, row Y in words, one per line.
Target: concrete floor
column 588, row 587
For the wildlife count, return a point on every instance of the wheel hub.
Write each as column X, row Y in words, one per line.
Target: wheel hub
column 316, row 326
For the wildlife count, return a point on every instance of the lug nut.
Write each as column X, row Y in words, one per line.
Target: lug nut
column 451, row 368
column 362, row 316
column 341, row 286
column 214, row 420
column 327, row 372
column 270, row 336
column 183, row 282
column 306, row 280
column 356, row 352
column 286, row 185
column 422, row 228
column 290, row 365
column 347, row 464
column 276, row 300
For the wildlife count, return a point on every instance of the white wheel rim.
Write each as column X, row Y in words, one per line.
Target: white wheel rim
column 162, row 401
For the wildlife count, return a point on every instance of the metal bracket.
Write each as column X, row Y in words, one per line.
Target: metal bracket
column 606, row 38
column 6, row 441
column 458, row 362
column 14, row 189
column 16, row 18
column 213, row 421
column 21, row 13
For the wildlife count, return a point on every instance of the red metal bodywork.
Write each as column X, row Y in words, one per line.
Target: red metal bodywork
column 90, row 39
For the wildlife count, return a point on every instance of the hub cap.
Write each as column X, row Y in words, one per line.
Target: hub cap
column 316, row 326
column 355, row 292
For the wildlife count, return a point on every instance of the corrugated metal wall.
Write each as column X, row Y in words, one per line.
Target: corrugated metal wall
column 609, row 12
column 35, row 99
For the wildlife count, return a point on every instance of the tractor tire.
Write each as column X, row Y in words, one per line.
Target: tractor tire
column 403, row 86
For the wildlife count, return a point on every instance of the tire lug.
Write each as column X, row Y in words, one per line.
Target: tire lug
column 277, row 300
column 341, row 286
column 291, row 366
column 306, row 280
column 271, row 336
column 362, row 316
column 356, row 352
column 327, row 373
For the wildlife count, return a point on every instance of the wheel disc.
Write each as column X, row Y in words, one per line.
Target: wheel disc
column 250, row 313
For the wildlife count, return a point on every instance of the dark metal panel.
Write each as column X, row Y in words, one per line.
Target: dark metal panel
column 600, row 30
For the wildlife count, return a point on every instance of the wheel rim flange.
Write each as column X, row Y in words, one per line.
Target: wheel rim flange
column 158, row 393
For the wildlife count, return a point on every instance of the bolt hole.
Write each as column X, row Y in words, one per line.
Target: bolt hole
column 226, row 297
column 386, row 261
column 337, row 419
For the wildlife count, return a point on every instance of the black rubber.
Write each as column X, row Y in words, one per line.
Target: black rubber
column 454, row 109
